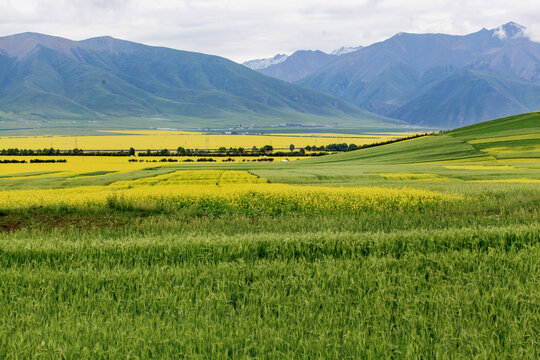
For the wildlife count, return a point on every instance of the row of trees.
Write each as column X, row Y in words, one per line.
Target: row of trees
column 254, row 151
column 222, row 151
column 188, row 160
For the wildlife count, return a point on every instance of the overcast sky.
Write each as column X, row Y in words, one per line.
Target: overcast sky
column 248, row 29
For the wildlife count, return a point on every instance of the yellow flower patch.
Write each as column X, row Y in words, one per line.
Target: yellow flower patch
column 233, row 190
column 481, row 167
column 414, row 177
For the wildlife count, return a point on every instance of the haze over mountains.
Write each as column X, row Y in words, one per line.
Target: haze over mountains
column 429, row 79
column 50, row 78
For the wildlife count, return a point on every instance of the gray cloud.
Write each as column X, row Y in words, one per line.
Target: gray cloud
column 242, row 29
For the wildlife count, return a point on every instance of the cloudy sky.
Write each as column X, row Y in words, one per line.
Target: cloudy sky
column 247, row 29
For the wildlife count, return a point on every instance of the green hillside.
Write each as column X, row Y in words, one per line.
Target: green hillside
column 519, row 134
column 506, row 145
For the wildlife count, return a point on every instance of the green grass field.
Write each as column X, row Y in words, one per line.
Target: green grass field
column 123, row 279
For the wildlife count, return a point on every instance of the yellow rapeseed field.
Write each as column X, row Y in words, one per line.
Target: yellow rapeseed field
column 77, row 165
column 156, row 140
column 481, row 167
column 230, row 190
column 74, row 165
column 414, row 177
column 531, row 160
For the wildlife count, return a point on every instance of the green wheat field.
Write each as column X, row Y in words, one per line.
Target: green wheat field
column 427, row 248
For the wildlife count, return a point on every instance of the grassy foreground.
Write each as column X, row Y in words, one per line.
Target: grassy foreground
column 108, row 283
column 455, row 275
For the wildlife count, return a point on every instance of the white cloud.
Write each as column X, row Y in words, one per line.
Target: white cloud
column 242, row 29
column 500, row 33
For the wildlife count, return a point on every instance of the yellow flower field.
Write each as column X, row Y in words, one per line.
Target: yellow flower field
column 481, row 167
column 414, row 177
column 156, row 140
column 76, row 165
column 229, row 190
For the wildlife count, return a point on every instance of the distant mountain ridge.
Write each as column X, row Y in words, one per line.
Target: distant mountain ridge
column 46, row 77
column 298, row 65
column 435, row 80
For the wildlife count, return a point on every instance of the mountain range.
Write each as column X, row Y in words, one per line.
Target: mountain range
column 298, row 65
column 427, row 80
column 435, row 80
column 48, row 78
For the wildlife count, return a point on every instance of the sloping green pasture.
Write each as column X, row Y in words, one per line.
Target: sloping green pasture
column 472, row 145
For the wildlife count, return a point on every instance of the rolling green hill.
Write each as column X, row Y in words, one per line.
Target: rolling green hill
column 474, row 142
column 500, row 145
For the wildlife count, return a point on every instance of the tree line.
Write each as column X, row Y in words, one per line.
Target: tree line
column 221, row 152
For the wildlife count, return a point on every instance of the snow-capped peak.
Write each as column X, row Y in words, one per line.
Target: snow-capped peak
column 259, row 64
column 345, row 50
